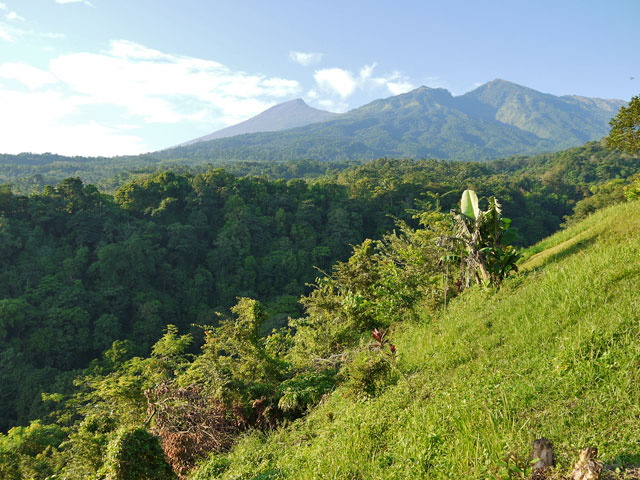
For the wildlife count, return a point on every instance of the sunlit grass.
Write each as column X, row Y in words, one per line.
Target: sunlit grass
column 554, row 353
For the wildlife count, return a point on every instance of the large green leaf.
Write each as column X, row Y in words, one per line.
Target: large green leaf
column 469, row 204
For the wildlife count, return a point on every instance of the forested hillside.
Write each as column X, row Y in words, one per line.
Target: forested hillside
column 444, row 388
column 91, row 280
column 82, row 268
column 552, row 354
column 30, row 173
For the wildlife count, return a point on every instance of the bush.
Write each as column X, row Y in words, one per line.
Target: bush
column 632, row 191
column 304, row 391
column 190, row 425
column 367, row 374
column 135, row 454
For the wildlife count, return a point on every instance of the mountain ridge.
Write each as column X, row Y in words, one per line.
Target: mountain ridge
column 497, row 119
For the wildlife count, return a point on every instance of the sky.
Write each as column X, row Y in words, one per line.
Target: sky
column 114, row 77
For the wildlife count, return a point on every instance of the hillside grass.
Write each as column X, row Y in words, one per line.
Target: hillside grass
column 554, row 353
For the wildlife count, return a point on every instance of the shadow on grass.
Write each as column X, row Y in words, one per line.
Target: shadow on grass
column 559, row 252
column 625, row 466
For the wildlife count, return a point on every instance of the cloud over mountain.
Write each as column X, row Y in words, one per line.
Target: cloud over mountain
column 305, row 58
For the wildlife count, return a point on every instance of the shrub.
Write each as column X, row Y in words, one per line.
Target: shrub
column 304, row 391
column 367, row 374
column 135, row 454
column 190, row 425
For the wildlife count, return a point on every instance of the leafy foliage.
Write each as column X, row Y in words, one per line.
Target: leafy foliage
column 625, row 128
column 26, row 452
column 481, row 242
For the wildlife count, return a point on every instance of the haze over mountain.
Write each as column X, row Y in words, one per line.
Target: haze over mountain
column 497, row 119
column 291, row 114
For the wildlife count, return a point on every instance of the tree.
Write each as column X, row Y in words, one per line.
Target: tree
column 625, row 128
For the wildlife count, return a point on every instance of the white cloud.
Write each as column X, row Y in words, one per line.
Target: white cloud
column 281, row 87
column 366, row 72
column 4, row 35
column 305, row 58
column 36, row 123
column 397, row 88
column 14, row 16
column 2, row 6
column 126, row 49
column 159, row 86
column 11, row 32
column 336, row 80
column 28, row 75
column 395, row 82
column 130, row 85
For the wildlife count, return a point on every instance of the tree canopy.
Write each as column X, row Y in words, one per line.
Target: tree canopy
column 625, row 128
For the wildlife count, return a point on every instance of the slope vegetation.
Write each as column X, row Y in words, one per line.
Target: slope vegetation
column 554, row 353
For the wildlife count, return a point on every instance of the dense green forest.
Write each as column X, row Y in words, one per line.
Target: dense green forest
column 30, row 173
column 91, row 280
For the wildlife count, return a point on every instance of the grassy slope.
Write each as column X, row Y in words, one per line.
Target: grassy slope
column 554, row 353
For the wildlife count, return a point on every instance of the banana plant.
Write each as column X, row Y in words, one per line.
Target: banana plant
column 481, row 241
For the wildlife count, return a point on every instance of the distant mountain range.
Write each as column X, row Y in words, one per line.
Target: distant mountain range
column 495, row 120
column 291, row 114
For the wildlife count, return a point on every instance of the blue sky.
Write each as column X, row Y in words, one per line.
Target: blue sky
column 109, row 77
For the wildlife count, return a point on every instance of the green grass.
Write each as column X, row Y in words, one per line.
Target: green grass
column 554, row 353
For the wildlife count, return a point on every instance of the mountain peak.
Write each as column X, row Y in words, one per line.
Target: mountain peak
column 500, row 84
column 290, row 114
column 425, row 88
column 500, row 81
column 295, row 101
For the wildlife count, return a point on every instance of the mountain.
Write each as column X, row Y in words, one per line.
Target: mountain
column 566, row 120
column 291, row 114
column 497, row 119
